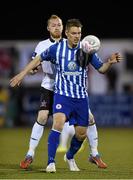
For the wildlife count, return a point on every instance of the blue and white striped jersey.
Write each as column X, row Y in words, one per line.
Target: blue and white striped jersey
column 70, row 77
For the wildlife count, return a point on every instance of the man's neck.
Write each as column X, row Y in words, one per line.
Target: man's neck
column 55, row 39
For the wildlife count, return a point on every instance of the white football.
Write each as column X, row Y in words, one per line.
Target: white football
column 90, row 44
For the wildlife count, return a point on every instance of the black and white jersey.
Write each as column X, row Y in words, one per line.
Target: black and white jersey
column 47, row 67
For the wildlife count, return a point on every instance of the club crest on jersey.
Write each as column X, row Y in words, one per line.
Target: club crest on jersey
column 58, row 106
column 72, row 66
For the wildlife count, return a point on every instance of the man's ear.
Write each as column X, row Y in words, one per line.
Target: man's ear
column 66, row 32
column 47, row 28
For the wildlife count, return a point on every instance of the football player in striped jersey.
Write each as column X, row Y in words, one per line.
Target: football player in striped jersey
column 70, row 90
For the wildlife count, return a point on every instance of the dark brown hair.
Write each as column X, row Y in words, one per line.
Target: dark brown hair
column 73, row 22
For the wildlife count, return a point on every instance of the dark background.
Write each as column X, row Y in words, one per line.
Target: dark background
column 24, row 20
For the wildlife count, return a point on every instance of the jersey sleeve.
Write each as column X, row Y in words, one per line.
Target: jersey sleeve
column 33, row 55
column 36, row 51
column 49, row 54
column 96, row 61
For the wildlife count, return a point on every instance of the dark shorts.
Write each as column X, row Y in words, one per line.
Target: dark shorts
column 76, row 110
column 46, row 100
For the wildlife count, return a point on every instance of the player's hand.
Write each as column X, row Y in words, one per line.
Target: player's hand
column 115, row 58
column 16, row 80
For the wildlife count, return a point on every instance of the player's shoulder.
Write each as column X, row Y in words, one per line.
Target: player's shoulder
column 43, row 42
column 43, row 45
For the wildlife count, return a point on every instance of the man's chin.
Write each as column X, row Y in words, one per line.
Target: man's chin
column 56, row 36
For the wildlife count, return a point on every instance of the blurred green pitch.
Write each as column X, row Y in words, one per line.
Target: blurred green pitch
column 115, row 146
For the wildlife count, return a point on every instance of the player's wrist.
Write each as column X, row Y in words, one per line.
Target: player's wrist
column 109, row 61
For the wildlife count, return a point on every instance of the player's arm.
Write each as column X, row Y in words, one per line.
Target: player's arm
column 35, row 70
column 16, row 80
column 34, row 54
column 115, row 58
column 47, row 55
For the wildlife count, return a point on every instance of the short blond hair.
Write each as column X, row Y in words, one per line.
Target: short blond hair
column 53, row 16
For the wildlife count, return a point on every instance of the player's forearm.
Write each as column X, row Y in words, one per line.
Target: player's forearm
column 105, row 67
column 16, row 80
column 33, row 64
column 114, row 58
